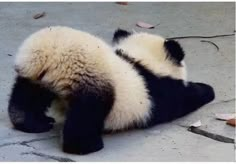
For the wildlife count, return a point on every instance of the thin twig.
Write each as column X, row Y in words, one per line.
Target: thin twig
column 157, row 24
column 213, row 136
column 213, row 36
column 207, row 41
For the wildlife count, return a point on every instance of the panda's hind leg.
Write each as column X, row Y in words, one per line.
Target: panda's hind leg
column 88, row 108
column 27, row 105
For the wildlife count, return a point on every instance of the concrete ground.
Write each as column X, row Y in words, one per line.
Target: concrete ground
column 167, row 142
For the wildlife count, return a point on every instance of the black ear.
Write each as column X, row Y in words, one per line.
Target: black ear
column 174, row 51
column 120, row 34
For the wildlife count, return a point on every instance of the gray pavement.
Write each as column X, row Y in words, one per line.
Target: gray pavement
column 166, row 142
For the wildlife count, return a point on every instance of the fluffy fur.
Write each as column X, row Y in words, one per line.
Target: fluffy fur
column 151, row 51
column 91, row 88
column 63, row 59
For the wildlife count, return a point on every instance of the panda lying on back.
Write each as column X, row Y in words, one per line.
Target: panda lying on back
column 141, row 84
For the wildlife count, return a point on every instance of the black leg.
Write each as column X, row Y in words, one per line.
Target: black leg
column 197, row 95
column 173, row 99
column 188, row 99
column 83, row 128
column 27, row 105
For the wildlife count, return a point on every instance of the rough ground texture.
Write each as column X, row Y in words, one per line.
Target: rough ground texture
column 167, row 142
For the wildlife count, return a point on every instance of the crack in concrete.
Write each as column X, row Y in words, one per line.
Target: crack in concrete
column 26, row 143
column 16, row 143
column 56, row 158
column 223, row 101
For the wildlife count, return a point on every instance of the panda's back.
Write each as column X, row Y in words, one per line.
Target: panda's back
column 132, row 104
column 64, row 59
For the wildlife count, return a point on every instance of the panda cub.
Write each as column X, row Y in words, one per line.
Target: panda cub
column 78, row 77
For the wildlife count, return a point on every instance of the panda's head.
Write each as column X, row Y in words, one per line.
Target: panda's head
column 163, row 57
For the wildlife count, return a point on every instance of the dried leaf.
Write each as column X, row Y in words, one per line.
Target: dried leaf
column 196, row 124
column 225, row 116
column 231, row 122
column 122, row 3
column 145, row 25
column 39, row 15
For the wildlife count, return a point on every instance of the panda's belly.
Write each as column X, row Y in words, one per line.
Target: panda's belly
column 132, row 102
column 58, row 110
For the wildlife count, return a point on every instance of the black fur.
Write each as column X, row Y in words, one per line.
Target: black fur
column 174, row 51
column 28, row 102
column 171, row 98
column 88, row 108
column 120, row 34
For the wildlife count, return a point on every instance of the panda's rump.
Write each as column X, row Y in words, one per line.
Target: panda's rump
column 62, row 58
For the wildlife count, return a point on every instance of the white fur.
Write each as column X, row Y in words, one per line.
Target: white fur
column 57, row 110
column 149, row 49
column 64, row 53
column 132, row 103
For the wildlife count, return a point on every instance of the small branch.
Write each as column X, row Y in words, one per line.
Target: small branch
column 157, row 24
column 211, row 135
column 56, row 158
column 207, row 41
column 213, row 36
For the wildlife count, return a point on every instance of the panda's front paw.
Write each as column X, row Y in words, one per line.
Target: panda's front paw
column 34, row 127
column 82, row 146
column 35, row 124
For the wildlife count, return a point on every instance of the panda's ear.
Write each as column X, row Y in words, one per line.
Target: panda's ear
column 174, row 51
column 120, row 34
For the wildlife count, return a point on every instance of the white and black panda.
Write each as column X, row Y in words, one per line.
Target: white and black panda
column 141, row 84
column 161, row 64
